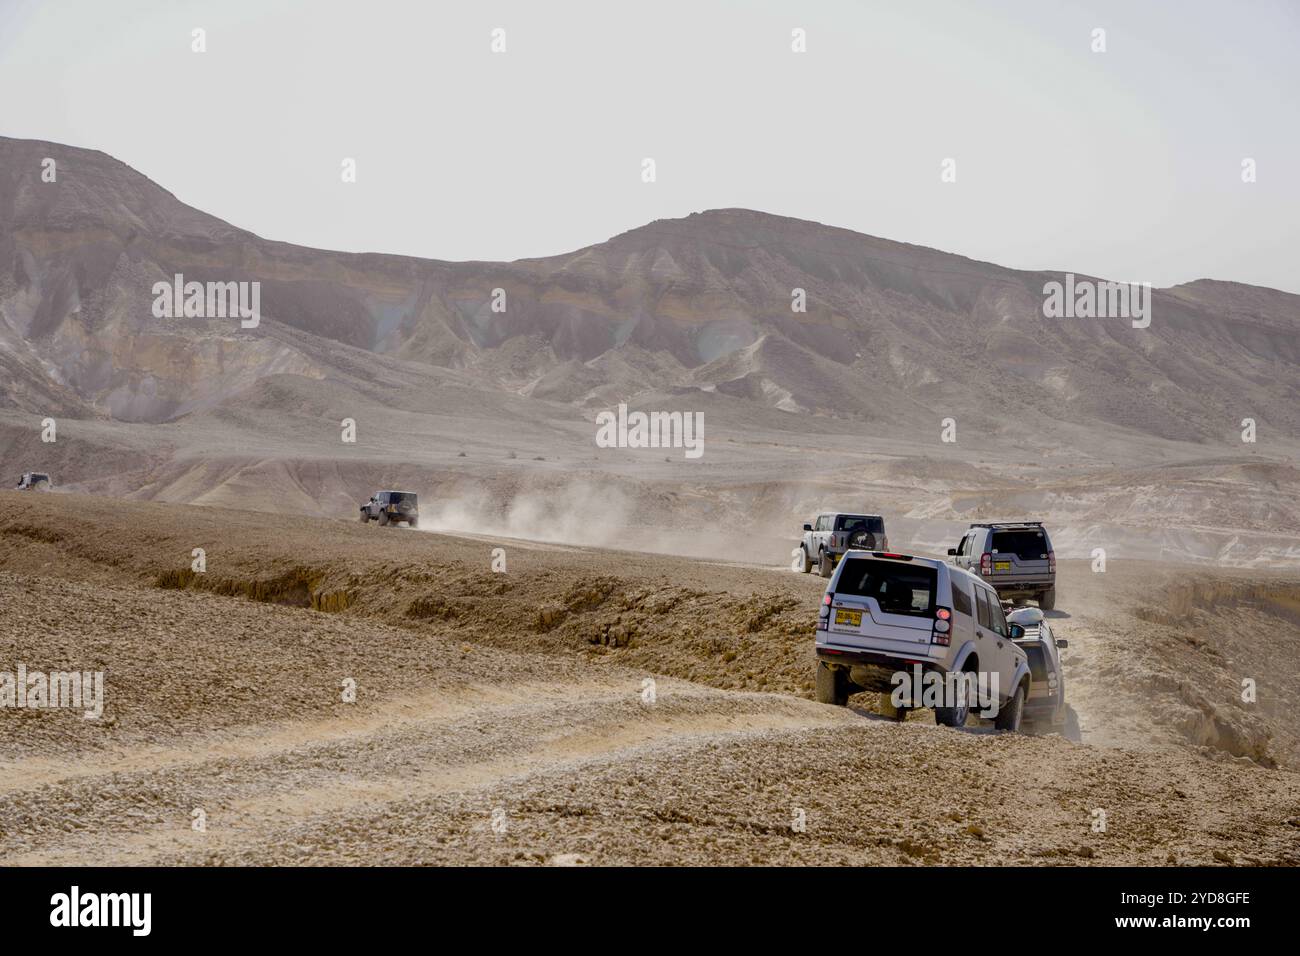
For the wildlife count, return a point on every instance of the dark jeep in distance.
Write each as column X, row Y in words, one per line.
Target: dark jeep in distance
column 34, row 481
column 390, row 507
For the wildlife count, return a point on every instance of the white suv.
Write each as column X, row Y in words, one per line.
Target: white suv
column 889, row 622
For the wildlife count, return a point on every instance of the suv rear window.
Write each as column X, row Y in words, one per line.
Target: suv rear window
column 1037, row 661
column 396, row 497
column 1027, row 545
column 897, row 587
column 873, row 523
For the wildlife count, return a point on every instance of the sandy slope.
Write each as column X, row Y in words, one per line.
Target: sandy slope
column 522, row 694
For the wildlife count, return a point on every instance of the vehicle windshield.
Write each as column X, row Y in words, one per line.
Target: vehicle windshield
column 1028, row 544
column 898, row 587
column 872, row 523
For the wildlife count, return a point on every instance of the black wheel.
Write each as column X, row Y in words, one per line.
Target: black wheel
column 414, row 522
column 365, row 518
column 1012, row 712
column 383, row 518
column 885, row 707
column 832, row 685
column 807, row 561
column 1047, row 600
column 824, row 566
column 1072, row 730
column 955, row 716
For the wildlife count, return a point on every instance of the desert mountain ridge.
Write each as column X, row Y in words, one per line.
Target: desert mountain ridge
column 1113, row 430
column 891, row 332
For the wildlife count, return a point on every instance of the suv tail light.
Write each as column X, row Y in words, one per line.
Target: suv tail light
column 942, row 626
column 986, row 563
column 1051, row 561
column 824, row 612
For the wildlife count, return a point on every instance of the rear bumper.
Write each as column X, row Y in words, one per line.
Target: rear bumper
column 874, row 671
column 839, row 652
column 1022, row 584
column 391, row 516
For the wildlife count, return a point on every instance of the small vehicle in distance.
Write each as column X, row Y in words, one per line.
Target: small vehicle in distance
column 34, row 481
column 1016, row 557
column 390, row 507
column 886, row 613
column 834, row 532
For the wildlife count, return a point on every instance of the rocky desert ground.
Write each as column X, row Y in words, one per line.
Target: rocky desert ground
column 503, row 717
column 635, row 686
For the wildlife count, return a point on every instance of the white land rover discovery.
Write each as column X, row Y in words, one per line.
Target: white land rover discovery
column 887, row 615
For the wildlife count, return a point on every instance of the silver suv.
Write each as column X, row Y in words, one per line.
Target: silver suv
column 1045, row 708
column 834, row 532
column 1016, row 557
column 923, row 632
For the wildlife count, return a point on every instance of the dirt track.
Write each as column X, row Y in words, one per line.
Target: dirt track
column 523, row 694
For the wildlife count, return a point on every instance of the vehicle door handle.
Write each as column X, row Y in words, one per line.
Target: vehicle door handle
column 999, row 643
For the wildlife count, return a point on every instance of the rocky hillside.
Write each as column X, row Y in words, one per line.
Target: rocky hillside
column 893, row 336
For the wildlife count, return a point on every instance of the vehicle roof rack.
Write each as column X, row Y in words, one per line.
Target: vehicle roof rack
column 1006, row 524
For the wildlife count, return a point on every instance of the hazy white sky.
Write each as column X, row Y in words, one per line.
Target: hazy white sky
column 1125, row 164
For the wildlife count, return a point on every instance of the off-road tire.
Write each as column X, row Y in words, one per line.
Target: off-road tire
column 1071, row 730
column 885, row 707
column 832, row 685
column 414, row 522
column 365, row 518
column 1012, row 712
column 807, row 561
column 824, row 566
column 383, row 519
column 953, row 716
column 1047, row 600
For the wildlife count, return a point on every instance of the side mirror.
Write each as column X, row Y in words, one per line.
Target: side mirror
column 1015, row 631
column 807, row 527
column 952, row 552
column 1062, row 642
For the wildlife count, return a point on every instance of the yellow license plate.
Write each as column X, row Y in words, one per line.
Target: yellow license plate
column 852, row 618
column 1001, row 565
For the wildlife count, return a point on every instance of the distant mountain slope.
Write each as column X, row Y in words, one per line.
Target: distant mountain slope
column 894, row 335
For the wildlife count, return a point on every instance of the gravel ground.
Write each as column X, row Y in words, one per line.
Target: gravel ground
column 588, row 706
